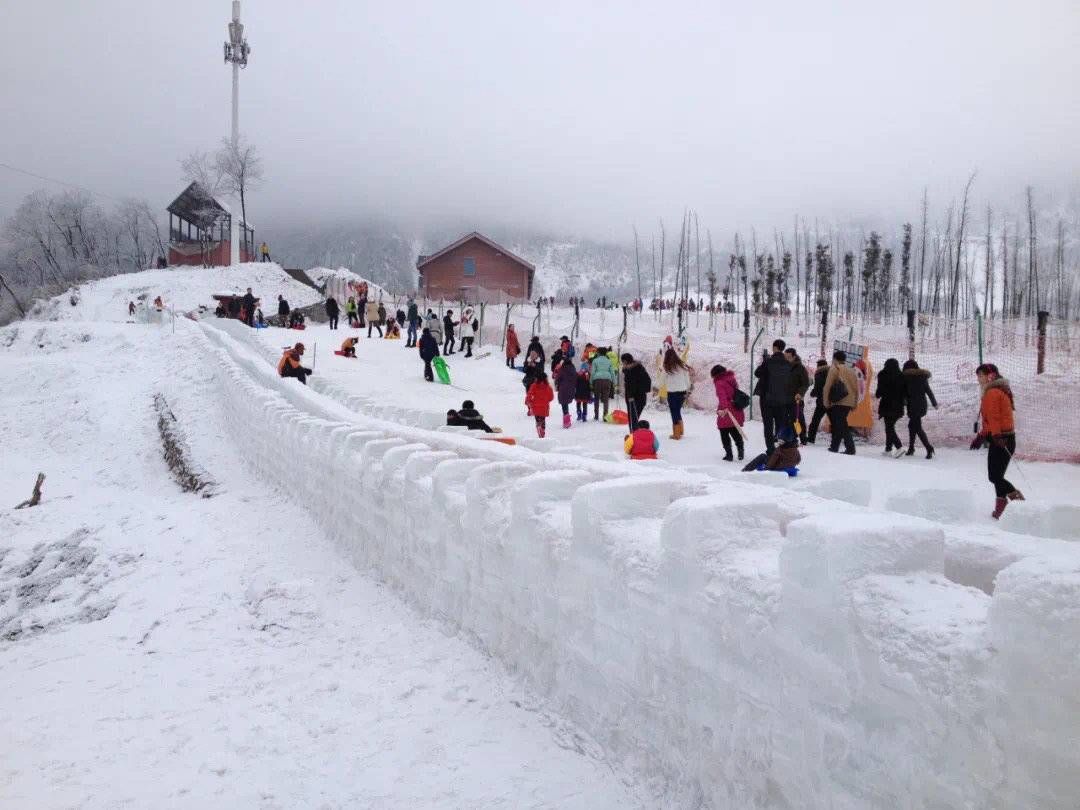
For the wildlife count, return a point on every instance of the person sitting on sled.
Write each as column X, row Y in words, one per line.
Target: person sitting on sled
column 785, row 458
column 642, row 442
column 393, row 330
column 348, row 347
column 289, row 365
column 470, row 418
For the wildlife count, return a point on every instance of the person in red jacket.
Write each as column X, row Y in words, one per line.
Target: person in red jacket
column 642, row 443
column 999, row 429
column 538, row 399
column 513, row 346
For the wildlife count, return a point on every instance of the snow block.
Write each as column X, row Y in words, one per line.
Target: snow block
column 856, row 491
column 1057, row 520
column 945, row 505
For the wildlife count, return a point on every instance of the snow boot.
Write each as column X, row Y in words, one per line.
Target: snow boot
column 540, row 432
column 929, row 453
column 910, row 451
column 999, row 507
column 729, row 457
column 1016, row 495
column 898, row 452
column 676, row 431
column 566, row 420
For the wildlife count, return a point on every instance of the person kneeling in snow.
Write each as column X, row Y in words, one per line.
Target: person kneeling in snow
column 348, row 347
column 642, row 443
column 470, row 418
column 289, row 365
column 785, row 458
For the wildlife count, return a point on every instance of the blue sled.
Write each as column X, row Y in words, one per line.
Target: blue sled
column 791, row 471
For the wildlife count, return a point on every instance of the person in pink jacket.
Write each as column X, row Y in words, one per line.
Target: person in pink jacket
column 729, row 418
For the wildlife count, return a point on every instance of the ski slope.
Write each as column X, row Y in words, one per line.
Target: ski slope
column 670, row 634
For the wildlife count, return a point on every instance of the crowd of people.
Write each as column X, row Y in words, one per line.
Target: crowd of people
column 782, row 384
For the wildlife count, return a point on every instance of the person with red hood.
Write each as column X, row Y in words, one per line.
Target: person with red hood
column 642, row 443
column 538, row 401
column 729, row 418
column 999, row 429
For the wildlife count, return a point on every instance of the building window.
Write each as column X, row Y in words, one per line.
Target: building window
column 470, row 267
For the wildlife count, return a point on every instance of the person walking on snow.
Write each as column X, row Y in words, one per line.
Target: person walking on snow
column 841, row 396
column 917, row 383
column 350, row 312
column 283, row 311
column 536, row 346
column 891, row 394
column 434, row 326
column 332, row 311
column 264, row 250
column 566, row 385
column 636, row 387
column 778, row 404
column 583, row 394
column 413, row 317
column 641, row 443
column 800, row 383
column 470, row 326
column 602, row 374
column 818, row 395
column 675, row 375
column 429, row 350
column 448, row 332
column 538, row 401
column 729, row 418
column 513, row 347
column 998, row 428
column 371, row 313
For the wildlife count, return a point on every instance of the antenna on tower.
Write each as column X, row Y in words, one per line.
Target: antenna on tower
column 236, row 49
column 236, row 53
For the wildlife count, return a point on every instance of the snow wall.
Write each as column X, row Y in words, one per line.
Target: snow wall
column 733, row 646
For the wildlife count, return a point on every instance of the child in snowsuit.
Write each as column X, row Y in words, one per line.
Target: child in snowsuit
column 583, row 394
column 642, row 443
column 785, row 457
column 538, row 401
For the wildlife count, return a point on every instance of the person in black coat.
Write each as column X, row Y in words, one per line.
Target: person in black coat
column 535, row 346
column 249, row 307
column 778, row 410
column 429, row 350
column 636, row 387
column 917, row 382
column 448, row 332
column 817, row 393
column 799, row 385
column 891, row 394
column 332, row 311
column 283, row 310
column 468, row 417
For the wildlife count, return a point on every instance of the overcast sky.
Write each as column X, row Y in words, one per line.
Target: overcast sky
column 580, row 116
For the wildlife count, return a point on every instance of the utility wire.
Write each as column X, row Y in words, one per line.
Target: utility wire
column 17, row 170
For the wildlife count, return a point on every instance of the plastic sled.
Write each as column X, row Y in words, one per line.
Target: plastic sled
column 262, row 326
column 298, row 326
column 617, row 418
column 791, row 471
column 340, row 353
column 442, row 371
column 501, row 439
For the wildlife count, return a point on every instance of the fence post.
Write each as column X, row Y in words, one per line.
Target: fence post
column 824, row 331
column 760, row 332
column 1041, row 345
column 746, row 331
column 911, row 333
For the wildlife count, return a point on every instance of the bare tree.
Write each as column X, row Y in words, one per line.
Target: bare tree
column 241, row 168
column 954, row 294
column 637, row 261
column 206, row 170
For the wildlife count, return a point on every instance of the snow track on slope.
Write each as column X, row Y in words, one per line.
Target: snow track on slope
column 734, row 650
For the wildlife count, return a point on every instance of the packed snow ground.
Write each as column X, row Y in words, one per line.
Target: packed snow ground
column 725, row 643
column 162, row 649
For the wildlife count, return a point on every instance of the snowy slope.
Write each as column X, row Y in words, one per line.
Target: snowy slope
column 865, row 638
column 161, row 649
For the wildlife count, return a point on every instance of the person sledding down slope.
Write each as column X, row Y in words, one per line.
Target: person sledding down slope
column 641, row 443
column 999, row 429
column 469, row 417
column 785, row 458
column 289, row 364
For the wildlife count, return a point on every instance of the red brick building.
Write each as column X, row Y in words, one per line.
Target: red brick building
column 199, row 231
column 475, row 269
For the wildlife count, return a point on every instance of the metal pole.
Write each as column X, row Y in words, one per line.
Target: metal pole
column 1041, row 345
column 753, row 347
column 979, row 327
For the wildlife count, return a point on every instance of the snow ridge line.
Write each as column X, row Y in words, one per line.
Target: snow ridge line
column 175, row 452
column 731, row 650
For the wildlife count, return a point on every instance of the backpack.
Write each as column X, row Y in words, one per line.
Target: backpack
column 838, row 391
column 740, row 400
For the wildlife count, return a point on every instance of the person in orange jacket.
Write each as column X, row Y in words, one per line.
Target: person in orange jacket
column 642, row 443
column 538, row 399
column 289, row 365
column 348, row 346
column 999, row 430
